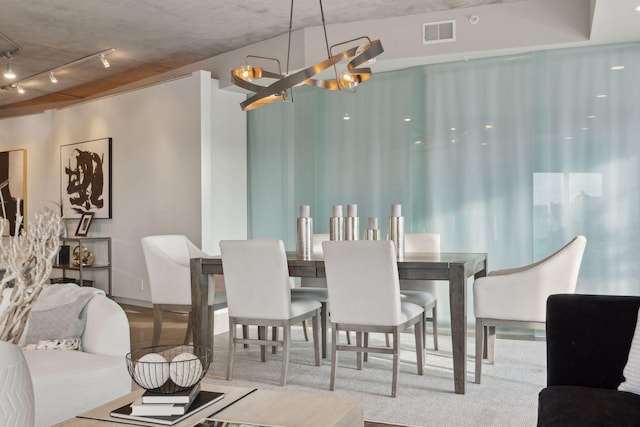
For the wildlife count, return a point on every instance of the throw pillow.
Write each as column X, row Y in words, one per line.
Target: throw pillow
column 632, row 369
column 61, row 344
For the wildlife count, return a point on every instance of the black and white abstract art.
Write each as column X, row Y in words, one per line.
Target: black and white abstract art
column 85, row 180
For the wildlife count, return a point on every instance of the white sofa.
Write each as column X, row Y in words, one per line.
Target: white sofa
column 69, row 382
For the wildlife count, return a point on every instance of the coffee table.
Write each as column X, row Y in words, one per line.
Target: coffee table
column 248, row 405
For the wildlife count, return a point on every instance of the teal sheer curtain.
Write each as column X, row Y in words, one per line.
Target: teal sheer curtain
column 512, row 156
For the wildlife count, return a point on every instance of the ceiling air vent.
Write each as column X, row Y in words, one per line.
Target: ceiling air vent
column 438, row 32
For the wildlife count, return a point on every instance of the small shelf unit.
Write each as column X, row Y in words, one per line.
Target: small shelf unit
column 86, row 242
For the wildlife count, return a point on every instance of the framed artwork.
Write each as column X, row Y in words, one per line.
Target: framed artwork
column 84, row 224
column 85, row 178
column 13, row 188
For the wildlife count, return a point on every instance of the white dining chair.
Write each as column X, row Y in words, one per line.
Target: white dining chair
column 517, row 297
column 259, row 293
column 168, row 264
column 422, row 292
column 356, row 268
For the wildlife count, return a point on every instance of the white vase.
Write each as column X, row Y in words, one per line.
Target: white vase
column 16, row 389
column 63, row 228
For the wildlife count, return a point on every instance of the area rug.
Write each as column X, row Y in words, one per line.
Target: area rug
column 507, row 396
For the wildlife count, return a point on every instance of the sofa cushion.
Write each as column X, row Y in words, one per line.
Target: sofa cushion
column 92, row 380
column 632, row 369
column 567, row 406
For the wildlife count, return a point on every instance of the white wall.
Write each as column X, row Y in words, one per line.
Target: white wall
column 159, row 133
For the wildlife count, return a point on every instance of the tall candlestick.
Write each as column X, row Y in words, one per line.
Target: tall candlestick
column 396, row 210
column 337, row 211
column 305, row 211
column 352, row 210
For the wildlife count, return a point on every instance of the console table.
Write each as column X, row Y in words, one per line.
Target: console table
column 454, row 268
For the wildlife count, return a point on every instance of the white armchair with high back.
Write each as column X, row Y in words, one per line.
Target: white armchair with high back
column 356, row 268
column 168, row 265
column 517, row 297
column 259, row 293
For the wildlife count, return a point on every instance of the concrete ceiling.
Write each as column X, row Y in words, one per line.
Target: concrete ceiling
column 155, row 38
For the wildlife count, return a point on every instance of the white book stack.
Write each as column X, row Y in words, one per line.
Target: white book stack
column 158, row 404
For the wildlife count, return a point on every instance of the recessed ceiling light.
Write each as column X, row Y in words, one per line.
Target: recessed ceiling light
column 568, row 137
column 638, row 9
column 591, row 116
column 584, row 128
column 453, row 141
column 602, row 95
column 488, row 126
column 617, row 67
column 418, row 142
column 407, row 119
column 453, row 129
column 346, row 116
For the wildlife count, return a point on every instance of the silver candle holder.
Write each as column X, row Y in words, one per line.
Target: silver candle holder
column 372, row 232
column 336, row 228
column 396, row 234
column 304, row 243
column 351, row 227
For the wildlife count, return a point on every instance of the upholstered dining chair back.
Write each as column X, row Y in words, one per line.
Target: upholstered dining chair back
column 262, row 291
column 316, row 282
column 167, row 258
column 419, row 243
column 362, row 267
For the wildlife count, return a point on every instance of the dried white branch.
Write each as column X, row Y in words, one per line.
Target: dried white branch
column 28, row 258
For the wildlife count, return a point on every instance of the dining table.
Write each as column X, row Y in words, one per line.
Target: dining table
column 452, row 268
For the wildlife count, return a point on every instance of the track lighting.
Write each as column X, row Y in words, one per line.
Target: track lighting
column 9, row 74
column 53, row 78
column 104, row 60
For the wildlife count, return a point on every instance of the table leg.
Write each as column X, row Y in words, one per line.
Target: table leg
column 200, row 314
column 458, row 306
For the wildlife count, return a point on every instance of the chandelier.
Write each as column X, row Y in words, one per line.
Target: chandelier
column 361, row 55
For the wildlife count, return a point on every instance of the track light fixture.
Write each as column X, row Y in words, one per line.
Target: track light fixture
column 359, row 56
column 9, row 74
column 51, row 72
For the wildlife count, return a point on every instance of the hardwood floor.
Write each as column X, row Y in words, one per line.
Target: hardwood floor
column 174, row 326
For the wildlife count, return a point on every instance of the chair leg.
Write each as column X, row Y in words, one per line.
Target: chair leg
column 187, row 334
column 386, row 339
column 245, row 334
column 396, row 364
column 274, row 337
column 348, row 336
column 262, row 335
column 491, row 345
column 434, row 323
column 424, row 329
column 157, row 325
column 479, row 348
column 420, row 350
column 304, row 330
column 232, row 348
column 359, row 353
column 334, row 356
column 366, row 344
column 315, row 328
column 323, row 322
column 285, row 353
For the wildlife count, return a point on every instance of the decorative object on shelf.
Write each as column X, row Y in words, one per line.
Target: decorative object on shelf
column 63, row 223
column 351, row 223
column 13, row 187
column 84, row 224
column 85, row 180
column 372, row 232
column 168, row 368
column 83, row 255
column 362, row 54
column 336, row 224
column 28, row 258
column 63, row 255
column 304, row 245
column 395, row 231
